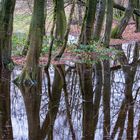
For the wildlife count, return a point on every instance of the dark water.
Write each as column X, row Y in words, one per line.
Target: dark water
column 30, row 106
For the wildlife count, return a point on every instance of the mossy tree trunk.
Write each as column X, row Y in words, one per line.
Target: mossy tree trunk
column 60, row 20
column 89, row 25
column 119, row 29
column 29, row 72
column 106, row 72
column 26, row 47
column 98, row 67
column 32, row 100
column 85, row 72
column 99, row 19
column 6, row 28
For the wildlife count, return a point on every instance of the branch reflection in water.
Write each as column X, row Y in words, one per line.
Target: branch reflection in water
column 36, row 116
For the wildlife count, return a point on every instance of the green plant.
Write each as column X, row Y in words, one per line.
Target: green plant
column 18, row 43
column 21, row 23
column 95, row 52
column 46, row 45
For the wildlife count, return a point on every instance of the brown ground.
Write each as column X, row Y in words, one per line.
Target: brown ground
column 129, row 35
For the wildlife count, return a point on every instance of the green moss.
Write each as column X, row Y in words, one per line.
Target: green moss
column 25, row 79
column 114, row 32
column 10, row 66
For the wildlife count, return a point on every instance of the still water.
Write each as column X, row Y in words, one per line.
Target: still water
column 35, row 115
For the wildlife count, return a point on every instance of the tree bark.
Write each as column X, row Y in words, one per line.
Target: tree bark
column 106, row 73
column 129, row 74
column 97, row 94
column 6, row 29
column 53, row 105
column 6, row 132
column 120, row 121
column 89, row 25
column 99, row 20
column 32, row 100
column 60, row 20
column 29, row 71
column 138, row 131
column 85, row 73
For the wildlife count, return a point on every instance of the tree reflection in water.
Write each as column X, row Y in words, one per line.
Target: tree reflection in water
column 60, row 117
column 5, row 112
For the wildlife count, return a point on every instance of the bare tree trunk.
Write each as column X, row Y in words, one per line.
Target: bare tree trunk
column 6, row 29
column 106, row 100
column 89, row 25
column 60, row 20
column 98, row 67
column 80, row 14
column 99, row 19
column 85, row 73
column 106, row 73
